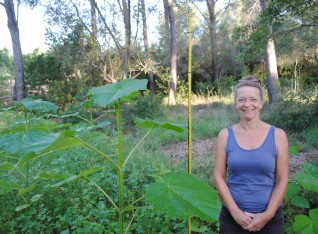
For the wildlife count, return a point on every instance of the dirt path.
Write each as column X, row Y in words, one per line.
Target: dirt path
column 202, row 149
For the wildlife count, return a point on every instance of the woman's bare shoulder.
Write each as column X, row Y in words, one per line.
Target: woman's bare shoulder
column 223, row 133
column 280, row 134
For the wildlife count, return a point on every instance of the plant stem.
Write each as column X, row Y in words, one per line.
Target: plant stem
column 133, row 203
column 136, row 146
column 120, row 171
column 106, row 195
column 97, row 151
column 27, row 174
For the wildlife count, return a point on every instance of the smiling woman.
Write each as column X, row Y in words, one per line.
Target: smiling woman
column 254, row 154
column 31, row 27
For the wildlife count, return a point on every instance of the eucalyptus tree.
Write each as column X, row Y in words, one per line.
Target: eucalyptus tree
column 212, row 29
column 146, row 45
column 296, row 31
column 16, row 45
column 170, row 16
column 270, row 60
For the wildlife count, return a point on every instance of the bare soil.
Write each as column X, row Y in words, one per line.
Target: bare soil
column 202, row 149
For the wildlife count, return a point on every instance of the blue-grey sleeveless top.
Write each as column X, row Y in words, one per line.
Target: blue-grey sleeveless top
column 251, row 173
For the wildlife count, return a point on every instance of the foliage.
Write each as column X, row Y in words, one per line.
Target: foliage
column 6, row 66
column 146, row 106
column 309, row 136
column 292, row 115
column 175, row 190
column 38, row 178
column 296, row 196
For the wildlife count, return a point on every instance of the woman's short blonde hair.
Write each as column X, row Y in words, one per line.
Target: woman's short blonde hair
column 251, row 81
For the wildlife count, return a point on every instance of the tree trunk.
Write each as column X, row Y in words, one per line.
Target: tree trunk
column 212, row 30
column 127, row 23
column 270, row 62
column 17, row 52
column 94, row 78
column 146, row 45
column 93, row 21
column 173, row 53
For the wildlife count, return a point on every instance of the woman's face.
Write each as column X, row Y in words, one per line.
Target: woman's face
column 248, row 102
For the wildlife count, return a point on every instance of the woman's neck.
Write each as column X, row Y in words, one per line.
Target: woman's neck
column 250, row 125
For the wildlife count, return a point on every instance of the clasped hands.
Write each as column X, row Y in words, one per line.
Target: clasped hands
column 252, row 222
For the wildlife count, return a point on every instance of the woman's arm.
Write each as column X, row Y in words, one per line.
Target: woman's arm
column 220, row 184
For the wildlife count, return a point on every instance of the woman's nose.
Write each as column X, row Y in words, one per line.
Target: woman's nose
column 247, row 103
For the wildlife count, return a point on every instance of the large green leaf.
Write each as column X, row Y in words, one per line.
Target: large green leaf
column 306, row 225
column 152, row 123
column 183, row 195
column 65, row 140
column 309, row 178
column 28, row 141
column 124, row 90
column 40, row 105
column 300, row 202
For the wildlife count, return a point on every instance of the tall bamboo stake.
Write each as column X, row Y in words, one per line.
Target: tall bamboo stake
column 190, row 100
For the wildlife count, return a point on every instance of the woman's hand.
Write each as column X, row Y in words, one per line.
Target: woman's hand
column 242, row 219
column 259, row 220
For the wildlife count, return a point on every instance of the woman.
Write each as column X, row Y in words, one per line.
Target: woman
column 255, row 156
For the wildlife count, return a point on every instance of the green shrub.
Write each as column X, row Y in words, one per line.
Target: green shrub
column 292, row 116
column 310, row 137
column 225, row 86
column 145, row 106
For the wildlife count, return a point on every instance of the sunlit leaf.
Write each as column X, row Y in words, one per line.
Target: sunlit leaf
column 294, row 150
column 182, row 195
column 7, row 109
column 22, row 207
column 36, row 197
column 152, row 123
column 40, row 105
column 26, row 190
column 123, row 90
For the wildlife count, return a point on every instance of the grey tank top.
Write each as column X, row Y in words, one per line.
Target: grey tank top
column 251, row 173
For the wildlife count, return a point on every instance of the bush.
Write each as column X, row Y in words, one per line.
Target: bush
column 310, row 137
column 293, row 116
column 145, row 106
column 225, row 86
